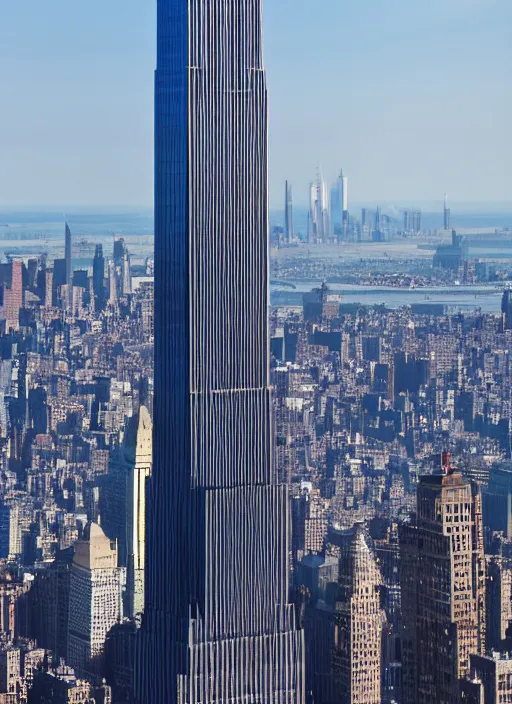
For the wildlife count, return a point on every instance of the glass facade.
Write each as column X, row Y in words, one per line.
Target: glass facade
column 217, row 624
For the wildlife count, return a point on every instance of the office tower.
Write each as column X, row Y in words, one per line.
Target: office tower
column 80, row 278
column 377, row 223
column 11, row 278
column 14, row 609
column 499, row 600
column 312, row 221
column 50, row 603
column 407, row 220
column 359, row 619
column 344, row 202
column 139, row 456
column 319, row 215
column 122, row 265
column 497, row 499
column 217, row 625
column 288, row 213
column 506, row 309
column 344, row 192
column 321, row 304
column 387, row 551
column 447, row 213
column 10, row 531
column 119, row 250
column 59, row 280
column 416, row 220
column 443, row 587
column 452, row 256
column 339, row 206
column 120, row 654
column 30, row 273
column 10, row 672
column 112, row 284
column 94, row 598
column 335, row 204
column 126, row 274
column 48, row 288
column 69, row 270
column 98, row 278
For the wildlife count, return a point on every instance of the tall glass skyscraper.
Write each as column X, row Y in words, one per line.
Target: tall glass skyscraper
column 217, row 624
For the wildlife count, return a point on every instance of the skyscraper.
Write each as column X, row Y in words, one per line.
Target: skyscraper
column 126, row 274
column 112, row 284
column 48, row 288
column 11, row 280
column 119, row 250
column 339, row 218
column 343, row 180
column 499, row 600
column 443, row 587
column 506, row 309
column 359, row 620
column 138, row 455
column 416, row 220
column 98, row 278
column 447, row 213
column 288, row 213
column 319, row 215
column 69, row 270
column 217, row 625
column 94, row 599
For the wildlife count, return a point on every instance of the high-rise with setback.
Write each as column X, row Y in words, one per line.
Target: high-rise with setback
column 359, row 619
column 443, row 587
column 217, row 625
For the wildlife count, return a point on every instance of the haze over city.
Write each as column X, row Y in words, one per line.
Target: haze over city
column 255, row 448
column 413, row 99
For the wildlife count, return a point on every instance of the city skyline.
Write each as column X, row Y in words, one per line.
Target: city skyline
column 256, row 442
column 410, row 91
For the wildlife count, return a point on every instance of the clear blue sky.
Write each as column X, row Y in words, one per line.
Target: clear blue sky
column 411, row 97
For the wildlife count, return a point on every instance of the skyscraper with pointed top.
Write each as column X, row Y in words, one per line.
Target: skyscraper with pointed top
column 359, row 619
column 319, row 228
column 288, row 213
column 217, row 624
column 138, row 457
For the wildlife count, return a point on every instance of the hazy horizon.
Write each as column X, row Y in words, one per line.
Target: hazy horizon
column 427, row 207
column 411, row 99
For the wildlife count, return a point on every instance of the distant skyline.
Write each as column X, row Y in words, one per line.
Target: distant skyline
column 412, row 99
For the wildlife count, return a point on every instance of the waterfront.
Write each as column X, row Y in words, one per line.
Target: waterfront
column 487, row 298
column 33, row 233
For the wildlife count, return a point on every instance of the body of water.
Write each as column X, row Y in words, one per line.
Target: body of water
column 487, row 298
column 38, row 232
